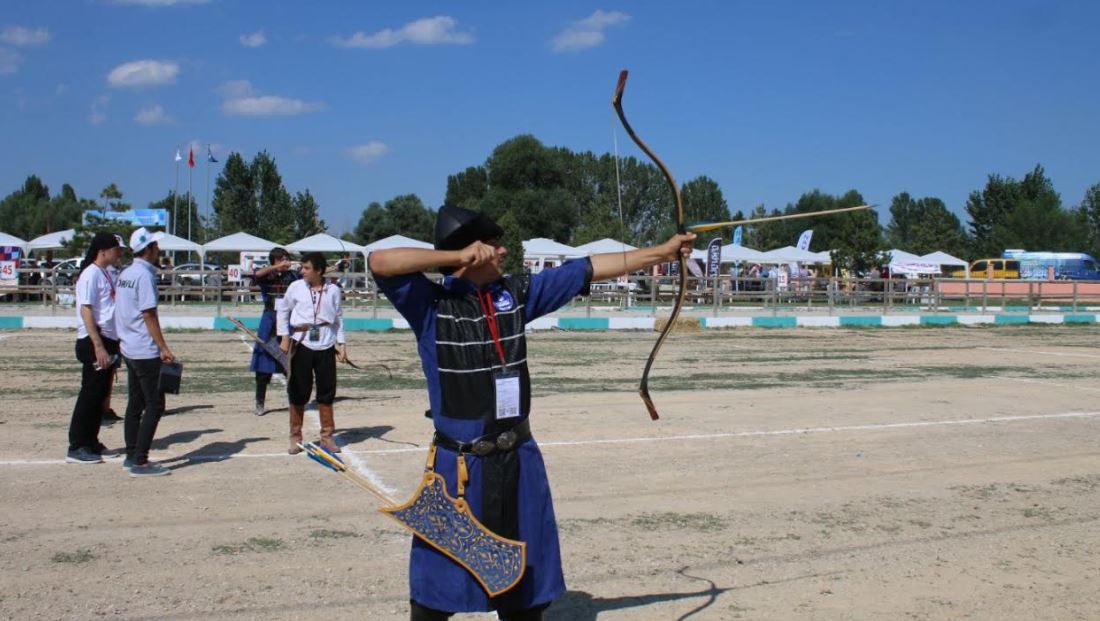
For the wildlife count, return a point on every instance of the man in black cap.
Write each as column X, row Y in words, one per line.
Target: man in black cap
column 470, row 336
column 96, row 347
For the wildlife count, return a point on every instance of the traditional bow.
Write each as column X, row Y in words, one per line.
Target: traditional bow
column 617, row 102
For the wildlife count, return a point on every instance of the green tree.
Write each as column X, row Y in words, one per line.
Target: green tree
column 235, row 198
column 307, row 216
column 467, row 188
column 178, row 203
column 703, row 202
column 273, row 202
column 1090, row 214
column 855, row 238
column 112, row 198
column 402, row 215
column 924, row 225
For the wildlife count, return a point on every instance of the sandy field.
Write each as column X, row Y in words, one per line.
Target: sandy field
column 925, row 473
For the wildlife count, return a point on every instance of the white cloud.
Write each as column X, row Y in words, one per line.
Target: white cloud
column 156, row 3
column 269, row 105
column 243, row 99
column 367, row 153
column 99, row 113
column 153, row 115
column 144, row 73
column 426, row 31
column 18, row 35
column 9, row 61
column 588, row 32
column 255, row 39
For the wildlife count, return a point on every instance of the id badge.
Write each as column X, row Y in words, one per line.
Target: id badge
column 507, row 385
column 314, row 333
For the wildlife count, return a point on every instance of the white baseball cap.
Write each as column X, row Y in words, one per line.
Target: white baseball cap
column 142, row 237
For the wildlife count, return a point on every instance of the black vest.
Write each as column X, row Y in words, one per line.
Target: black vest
column 468, row 359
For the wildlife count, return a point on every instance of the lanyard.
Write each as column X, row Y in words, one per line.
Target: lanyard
column 491, row 322
column 107, row 277
column 317, row 302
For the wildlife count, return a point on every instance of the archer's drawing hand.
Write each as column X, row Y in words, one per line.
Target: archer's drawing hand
column 476, row 254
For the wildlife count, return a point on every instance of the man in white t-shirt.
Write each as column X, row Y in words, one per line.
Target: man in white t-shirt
column 313, row 317
column 144, row 349
column 97, row 347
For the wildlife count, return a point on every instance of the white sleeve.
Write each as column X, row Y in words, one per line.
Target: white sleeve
column 85, row 289
column 339, row 321
column 282, row 311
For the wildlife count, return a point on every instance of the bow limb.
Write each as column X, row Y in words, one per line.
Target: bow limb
column 643, row 388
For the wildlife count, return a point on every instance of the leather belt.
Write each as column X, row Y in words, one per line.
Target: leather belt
column 487, row 444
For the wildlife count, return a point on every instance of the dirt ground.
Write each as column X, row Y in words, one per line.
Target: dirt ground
column 926, row 473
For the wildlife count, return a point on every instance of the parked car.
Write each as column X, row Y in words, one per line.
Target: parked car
column 1001, row 268
column 210, row 274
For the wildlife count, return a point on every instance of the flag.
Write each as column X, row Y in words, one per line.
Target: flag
column 178, row 156
column 210, row 156
column 191, row 157
column 804, row 239
column 737, row 236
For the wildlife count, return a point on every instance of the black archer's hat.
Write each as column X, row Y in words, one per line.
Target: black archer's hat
column 456, row 228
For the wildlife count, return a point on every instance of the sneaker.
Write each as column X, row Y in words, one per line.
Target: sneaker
column 127, row 463
column 102, row 450
column 110, row 417
column 148, row 470
column 83, row 456
column 260, row 411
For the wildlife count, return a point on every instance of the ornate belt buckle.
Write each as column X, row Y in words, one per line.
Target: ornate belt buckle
column 506, row 440
column 482, row 448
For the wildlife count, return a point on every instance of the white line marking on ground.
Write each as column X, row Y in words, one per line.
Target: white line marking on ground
column 1041, row 353
column 1028, row 380
column 691, row 437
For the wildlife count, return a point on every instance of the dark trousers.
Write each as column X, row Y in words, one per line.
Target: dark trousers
column 94, row 387
column 423, row 613
column 144, row 408
column 304, row 365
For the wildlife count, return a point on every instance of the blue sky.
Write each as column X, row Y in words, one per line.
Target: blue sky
column 362, row 101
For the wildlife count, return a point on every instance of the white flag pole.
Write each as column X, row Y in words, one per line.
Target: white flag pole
column 176, row 193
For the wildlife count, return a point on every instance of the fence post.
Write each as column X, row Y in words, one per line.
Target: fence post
column 985, row 294
column 1075, row 296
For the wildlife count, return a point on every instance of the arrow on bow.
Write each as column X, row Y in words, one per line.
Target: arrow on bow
column 617, row 103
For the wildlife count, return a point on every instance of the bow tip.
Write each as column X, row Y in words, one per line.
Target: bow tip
column 649, row 406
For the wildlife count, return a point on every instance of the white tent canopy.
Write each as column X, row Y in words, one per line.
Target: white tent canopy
column 940, row 257
column 323, row 242
column 396, row 241
column 825, row 256
column 909, row 263
column 240, row 242
column 11, row 240
column 605, row 245
column 51, row 241
column 171, row 243
column 788, row 254
column 736, row 253
column 542, row 248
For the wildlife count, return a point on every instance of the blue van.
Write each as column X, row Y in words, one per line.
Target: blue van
column 1067, row 265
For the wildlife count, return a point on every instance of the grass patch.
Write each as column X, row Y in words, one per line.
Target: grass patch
column 76, row 558
column 327, row 533
column 702, row 522
column 253, row 544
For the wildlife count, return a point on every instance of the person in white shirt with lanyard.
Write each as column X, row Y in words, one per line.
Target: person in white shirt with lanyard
column 144, row 349
column 96, row 347
column 313, row 317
